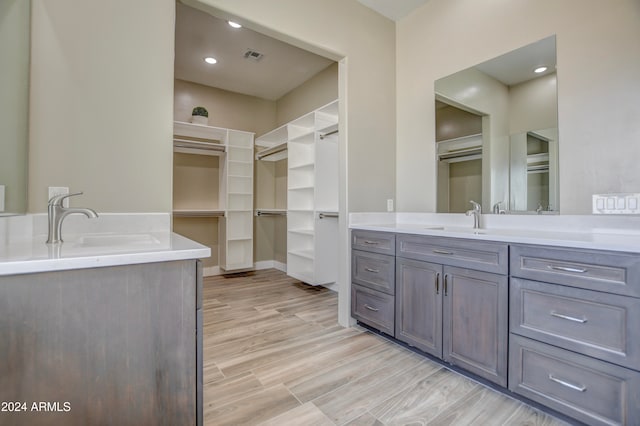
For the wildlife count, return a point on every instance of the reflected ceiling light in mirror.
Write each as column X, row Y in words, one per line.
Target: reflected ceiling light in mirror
column 540, row 69
column 210, row 60
column 234, row 24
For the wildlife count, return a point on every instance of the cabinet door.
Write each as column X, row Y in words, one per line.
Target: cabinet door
column 419, row 305
column 475, row 332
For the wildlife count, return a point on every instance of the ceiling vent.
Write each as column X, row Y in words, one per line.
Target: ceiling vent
column 252, row 54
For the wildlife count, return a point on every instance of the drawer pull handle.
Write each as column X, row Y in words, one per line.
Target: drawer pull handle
column 567, row 269
column 438, row 283
column 375, row 271
column 568, row 318
column 370, row 308
column 449, row 253
column 567, row 384
column 371, row 243
column 446, row 280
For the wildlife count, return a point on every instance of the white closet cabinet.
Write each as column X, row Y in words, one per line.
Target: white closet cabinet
column 229, row 197
column 312, row 192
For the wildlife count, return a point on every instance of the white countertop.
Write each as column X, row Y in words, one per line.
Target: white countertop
column 586, row 232
column 23, row 251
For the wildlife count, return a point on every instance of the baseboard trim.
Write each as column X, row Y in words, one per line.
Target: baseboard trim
column 268, row 264
column 211, row 271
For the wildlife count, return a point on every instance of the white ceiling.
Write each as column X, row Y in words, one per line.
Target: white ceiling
column 393, row 9
column 282, row 69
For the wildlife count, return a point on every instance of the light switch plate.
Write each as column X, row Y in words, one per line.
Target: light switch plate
column 1, row 198
column 618, row 203
column 59, row 190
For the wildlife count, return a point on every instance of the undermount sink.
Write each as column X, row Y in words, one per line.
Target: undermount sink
column 117, row 240
column 457, row 229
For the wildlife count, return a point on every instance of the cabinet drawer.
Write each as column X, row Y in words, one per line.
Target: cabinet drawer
column 481, row 256
column 589, row 322
column 609, row 272
column 376, row 242
column 587, row 389
column 373, row 308
column 376, row 271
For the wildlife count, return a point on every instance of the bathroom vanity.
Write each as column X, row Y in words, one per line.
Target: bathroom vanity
column 103, row 329
column 555, row 323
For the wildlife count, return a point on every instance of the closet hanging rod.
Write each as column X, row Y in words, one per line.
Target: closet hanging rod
column 208, row 146
column 333, row 132
column 270, row 151
column 322, row 215
column 270, row 213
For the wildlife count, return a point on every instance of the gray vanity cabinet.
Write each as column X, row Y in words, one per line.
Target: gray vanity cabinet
column 419, row 305
column 457, row 314
column 373, row 279
column 574, row 343
column 112, row 345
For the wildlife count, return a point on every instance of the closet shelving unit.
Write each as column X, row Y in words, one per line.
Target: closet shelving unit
column 231, row 201
column 312, row 192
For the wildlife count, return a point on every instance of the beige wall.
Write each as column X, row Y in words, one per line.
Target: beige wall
column 226, row 109
column 533, row 105
column 318, row 91
column 339, row 28
column 101, row 103
column 598, row 68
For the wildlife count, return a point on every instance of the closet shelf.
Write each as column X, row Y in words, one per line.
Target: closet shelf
column 307, row 254
column 301, row 188
column 302, row 166
column 302, row 231
column 186, row 146
column 198, row 213
column 460, row 149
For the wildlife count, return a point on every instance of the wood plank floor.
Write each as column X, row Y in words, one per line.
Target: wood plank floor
column 274, row 354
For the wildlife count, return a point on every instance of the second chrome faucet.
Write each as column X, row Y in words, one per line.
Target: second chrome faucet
column 476, row 211
column 57, row 212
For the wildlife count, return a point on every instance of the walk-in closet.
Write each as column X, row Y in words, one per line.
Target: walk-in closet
column 256, row 180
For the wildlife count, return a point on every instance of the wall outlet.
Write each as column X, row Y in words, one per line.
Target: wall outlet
column 2, row 198
column 59, row 190
column 390, row 205
column 623, row 203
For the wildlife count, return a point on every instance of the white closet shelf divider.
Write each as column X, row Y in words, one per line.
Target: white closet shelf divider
column 235, row 194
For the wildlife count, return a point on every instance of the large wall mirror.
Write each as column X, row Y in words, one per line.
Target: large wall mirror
column 497, row 134
column 14, row 104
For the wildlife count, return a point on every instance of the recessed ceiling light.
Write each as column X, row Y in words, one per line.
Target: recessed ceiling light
column 210, row 60
column 234, row 24
column 540, row 69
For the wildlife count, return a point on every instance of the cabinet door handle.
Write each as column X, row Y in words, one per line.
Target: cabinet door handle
column 567, row 269
column 375, row 271
column 568, row 318
column 370, row 308
column 437, row 251
column 579, row 388
column 371, row 243
column 438, row 283
column 446, row 279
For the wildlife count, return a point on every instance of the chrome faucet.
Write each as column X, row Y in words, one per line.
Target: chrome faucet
column 476, row 211
column 57, row 212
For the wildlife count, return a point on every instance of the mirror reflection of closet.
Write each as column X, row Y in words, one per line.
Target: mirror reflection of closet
column 515, row 94
column 459, row 149
column 534, row 171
